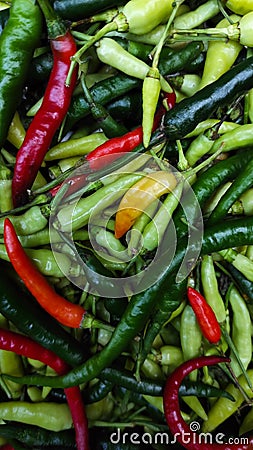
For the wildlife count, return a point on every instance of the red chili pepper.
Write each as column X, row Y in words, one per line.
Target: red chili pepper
column 24, row 346
column 206, row 318
column 112, row 149
column 126, row 143
column 177, row 425
column 7, row 447
column 65, row 312
column 51, row 113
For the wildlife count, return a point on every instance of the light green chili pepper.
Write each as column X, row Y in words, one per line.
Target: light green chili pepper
column 210, row 288
column 241, row 331
column 190, row 337
column 51, row 416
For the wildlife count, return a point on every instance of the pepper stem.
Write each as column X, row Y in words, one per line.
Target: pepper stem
column 56, row 26
column 76, row 59
column 91, row 322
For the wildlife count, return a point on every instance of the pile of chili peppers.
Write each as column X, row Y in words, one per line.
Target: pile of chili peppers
column 126, row 224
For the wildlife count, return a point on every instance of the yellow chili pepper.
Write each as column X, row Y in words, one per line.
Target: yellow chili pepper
column 140, row 196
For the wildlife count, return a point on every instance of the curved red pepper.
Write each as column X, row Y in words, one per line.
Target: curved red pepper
column 178, row 427
column 47, row 120
column 24, row 346
column 65, row 312
column 205, row 316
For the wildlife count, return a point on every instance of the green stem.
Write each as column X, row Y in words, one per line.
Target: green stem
column 165, row 34
column 76, row 59
column 56, row 26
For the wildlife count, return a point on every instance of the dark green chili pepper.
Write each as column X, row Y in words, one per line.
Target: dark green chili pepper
column 18, row 41
column 243, row 284
column 208, row 181
column 97, row 392
column 228, row 234
column 242, row 182
column 79, row 9
column 109, row 125
column 40, row 68
column 103, row 92
column 184, row 117
column 122, row 108
column 33, row 321
column 171, row 60
column 32, row 435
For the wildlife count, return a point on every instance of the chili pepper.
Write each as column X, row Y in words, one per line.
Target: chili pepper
column 55, row 105
column 136, row 16
column 223, row 408
column 210, row 288
column 224, row 53
column 196, row 17
column 240, row 136
column 111, row 52
column 27, row 223
column 246, row 425
column 187, row 84
column 139, row 309
column 78, row 9
column 139, row 196
column 177, row 425
column 205, row 316
column 32, row 320
column 16, row 56
column 24, row 346
column 245, row 286
column 114, row 147
column 110, row 127
column 242, row 182
column 45, row 262
column 76, row 147
column 35, row 436
column 190, row 336
column 103, row 92
column 41, row 67
column 67, row 313
column 241, row 331
column 52, row 416
column 16, row 132
column 184, row 117
column 151, row 84
column 240, row 7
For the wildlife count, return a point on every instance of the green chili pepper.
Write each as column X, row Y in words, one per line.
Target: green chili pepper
column 16, row 55
column 223, row 53
column 27, row 223
column 75, row 147
column 183, row 118
column 103, row 92
column 29, row 318
column 34, row 436
column 190, row 336
column 139, row 309
column 223, row 408
column 241, row 331
column 51, row 416
column 242, row 182
column 150, row 94
column 210, row 288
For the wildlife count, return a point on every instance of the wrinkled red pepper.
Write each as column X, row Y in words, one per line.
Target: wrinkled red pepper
column 52, row 111
column 178, row 427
